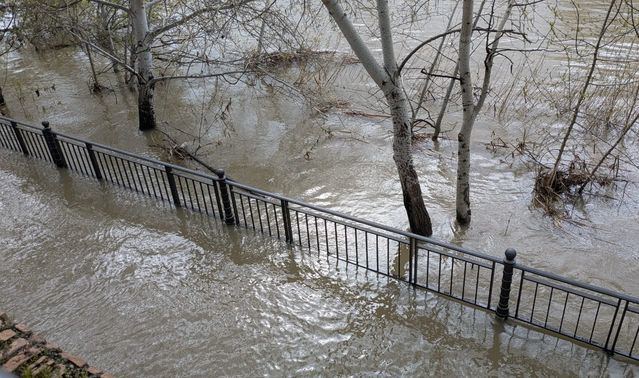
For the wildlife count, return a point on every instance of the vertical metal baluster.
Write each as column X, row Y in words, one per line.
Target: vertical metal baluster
column 116, row 171
column 411, row 251
column 548, row 309
column 119, row 161
column 72, row 156
column 532, row 312
column 6, row 142
column 146, row 182
column 319, row 249
column 32, row 144
column 216, row 190
column 427, row 267
column 248, row 199
column 377, row 252
column 477, row 284
column 277, row 222
column 78, row 158
column 632, row 347
column 452, row 276
column 299, row 229
column 399, row 259
column 197, row 198
column 208, row 189
column 105, row 166
column 366, row 246
column 579, row 316
column 521, row 287
column 623, row 315
column 563, row 314
column 184, row 198
column 326, row 234
column 41, row 146
column 388, row 266
column 188, row 189
column 235, row 215
column 336, row 241
column 268, row 219
column 134, row 173
column 612, row 324
column 243, row 211
column 153, row 183
column 594, row 323
column 166, row 185
column 308, row 232
column 64, row 149
column 204, row 197
column 259, row 215
column 490, row 287
column 346, row 242
column 464, row 280
column 356, row 249
column 439, row 275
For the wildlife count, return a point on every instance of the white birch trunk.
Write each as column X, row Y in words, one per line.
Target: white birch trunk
column 463, row 138
column 142, row 38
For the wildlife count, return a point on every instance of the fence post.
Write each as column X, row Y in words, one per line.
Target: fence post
column 226, row 202
column 94, row 160
column 53, row 145
column 286, row 216
column 172, row 186
column 506, row 281
column 19, row 138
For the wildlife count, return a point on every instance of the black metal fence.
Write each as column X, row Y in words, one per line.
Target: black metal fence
column 589, row 314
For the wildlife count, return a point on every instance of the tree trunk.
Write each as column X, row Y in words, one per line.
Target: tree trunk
column 463, row 147
column 2, row 102
column 388, row 79
column 451, row 84
column 416, row 212
column 146, row 108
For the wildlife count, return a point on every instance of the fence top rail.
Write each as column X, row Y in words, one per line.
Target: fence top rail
column 140, row 157
column 424, row 239
column 592, row 288
column 370, row 223
column 21, row 124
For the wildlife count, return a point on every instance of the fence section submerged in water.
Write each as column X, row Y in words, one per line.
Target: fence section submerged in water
column 589, row 314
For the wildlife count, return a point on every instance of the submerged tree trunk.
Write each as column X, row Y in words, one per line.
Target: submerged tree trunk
column 388, row 79
column 463, row 148
column 2, row 102
column 146, row 108
column 418, row 217
column 471, row 110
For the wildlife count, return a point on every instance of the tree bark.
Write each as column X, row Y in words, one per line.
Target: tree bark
column 2, row 102
column 451, row 84
column 388, row 79
column 416, row 211
column 463, row 138
column 146, row 86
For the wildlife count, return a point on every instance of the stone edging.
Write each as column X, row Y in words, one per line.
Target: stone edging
column 25, row 353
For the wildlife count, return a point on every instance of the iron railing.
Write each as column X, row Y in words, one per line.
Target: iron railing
column 593, row 315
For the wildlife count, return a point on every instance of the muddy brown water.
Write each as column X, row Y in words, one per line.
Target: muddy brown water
column 141, row 289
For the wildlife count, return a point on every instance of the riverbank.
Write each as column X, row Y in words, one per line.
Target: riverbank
column 25, row 353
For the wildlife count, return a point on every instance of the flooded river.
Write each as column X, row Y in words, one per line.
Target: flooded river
column 142, row 290
column 135, row 286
